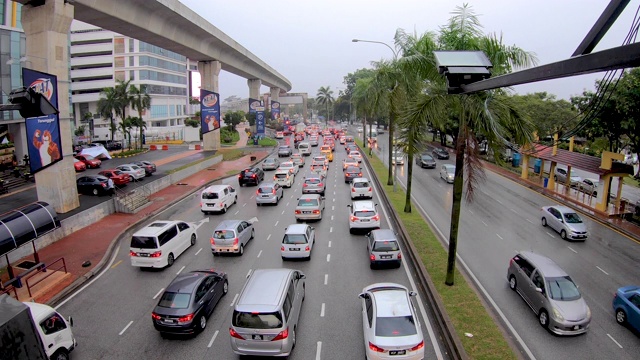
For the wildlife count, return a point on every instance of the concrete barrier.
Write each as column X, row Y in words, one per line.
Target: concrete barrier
column 153, row 147
column 165, row 147
column 198, row 147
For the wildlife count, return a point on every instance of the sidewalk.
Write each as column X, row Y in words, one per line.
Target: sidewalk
column 95, row 243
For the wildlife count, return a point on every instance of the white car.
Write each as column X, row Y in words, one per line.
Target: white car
column 361, row 188
column 289, row 165
column 390, row 326
column 397, row 159
column 355, row 155
column 321, row 158
column 135, row 172
column 298, row 241
column 589, row 186
column 363, row 215
column 284, row 178
column 298, row 159
column 279, row 135
column 319, row 170
column 448, row 173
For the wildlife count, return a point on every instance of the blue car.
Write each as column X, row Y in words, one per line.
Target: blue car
column 626, row 305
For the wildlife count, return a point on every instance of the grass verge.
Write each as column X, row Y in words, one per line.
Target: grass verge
column 462, row 304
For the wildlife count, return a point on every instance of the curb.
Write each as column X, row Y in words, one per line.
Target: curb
column 111, row 248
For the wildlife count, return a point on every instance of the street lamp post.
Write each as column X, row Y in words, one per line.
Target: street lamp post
column 393, row 168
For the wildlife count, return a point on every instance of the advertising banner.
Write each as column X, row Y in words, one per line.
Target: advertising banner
column 275, row 110
column 260, row 122
column 253, row 104
column 43, row 132
column 209, row 111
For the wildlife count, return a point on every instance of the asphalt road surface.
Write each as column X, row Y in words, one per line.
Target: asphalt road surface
column 112, row 313
column 504, row 218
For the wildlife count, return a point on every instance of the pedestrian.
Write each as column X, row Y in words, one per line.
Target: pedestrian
column 14, row 159
column 111, row 186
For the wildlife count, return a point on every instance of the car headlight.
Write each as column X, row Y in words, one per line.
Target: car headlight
column 557, row 315
column 588, row 313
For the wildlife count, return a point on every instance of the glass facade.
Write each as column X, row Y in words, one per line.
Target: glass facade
column 163, row 64
column 145, row 47
column 165, row 90
column 159, row 111
column 12, row 49
column 164, row 77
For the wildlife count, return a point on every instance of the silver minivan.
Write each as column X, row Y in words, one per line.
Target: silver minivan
column 550, row 292
column 265, row 318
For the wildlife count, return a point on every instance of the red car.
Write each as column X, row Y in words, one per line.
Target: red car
column 89, row 160
column 119, row 178
column 79, row 165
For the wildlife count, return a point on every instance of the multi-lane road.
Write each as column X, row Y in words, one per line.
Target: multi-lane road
column 112, row 313
column 504, row 218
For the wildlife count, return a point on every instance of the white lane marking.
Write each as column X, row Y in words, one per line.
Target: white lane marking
column 329, row 243
column 269, row 237
column 610, row 337
column 260, row 253
column 334, row 185
column 331, row 217
column 331, row 229
column 530, row 221
column 113, row 257
column 234, row 300
column 287, row 204
column 215, row 334
column 570, row 248
column 498, row 235
column 282, row 212
column 599, row 268
column 469, row 210
column 319, row 350
column 236, row 213
column 551, row 235
column 500, row 202
column 126, row 327
column 245, row 204
column 333, row 207
column 515, row 212
column 179, row 271
column 322, row 311
column 249, row 273
column 328, row 257
column 485, row 224
column 276, row 224
column 291, row 196
column 334, row 193
column 334, row 199
column 326, row 279
column 198, row 252
column 158, row 294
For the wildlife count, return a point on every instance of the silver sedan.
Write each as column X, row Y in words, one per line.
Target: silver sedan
column 309, row 207
column 565, row 221
column 135, row 172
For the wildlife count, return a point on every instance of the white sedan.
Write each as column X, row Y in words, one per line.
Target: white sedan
column 135, row 172
column 289, row 165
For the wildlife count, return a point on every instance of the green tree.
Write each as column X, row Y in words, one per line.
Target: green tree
column 125, row 127
column 626, row 97
column 124, row 97
column 233, row 118
column 140, row 101
column 107, row 106
column 325, row 97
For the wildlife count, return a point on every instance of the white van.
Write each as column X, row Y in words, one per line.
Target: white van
column 304, row 148
column 160, row 243
column 54, row 330
column 217, row 198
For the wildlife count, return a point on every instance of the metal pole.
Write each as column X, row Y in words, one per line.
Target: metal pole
column 394, row 170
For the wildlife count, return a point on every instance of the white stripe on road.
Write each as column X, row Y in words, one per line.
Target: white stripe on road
column 499, row 236
column 249, row 273
column 276, row 224
column 599, row 268
column 215, row 334
column 331, row 217
column 234, row 300
column 179, row 271
column 614, row 340
column 329, row 243
column 328, row 257
column 236, row 213
column 515, row 212
column 551, row 235
column 287, row 204
column 319, row 351
column 331, row 229
column 269, row 237
column 198, row 252
column 469, row 210
column 485, row 224
column 282, row 212
column 500, row 202
column 260, row 253
column 333, row 207
column 126, row 327
column 326, row 279
column 322, row 311
column 572, row 249
column 530, row 221
column 245, row 204
column 158, row 294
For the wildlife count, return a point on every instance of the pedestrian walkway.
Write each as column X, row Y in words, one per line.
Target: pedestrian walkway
column 95, row 243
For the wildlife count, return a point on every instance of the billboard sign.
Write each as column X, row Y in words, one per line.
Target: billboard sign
column 209, row 111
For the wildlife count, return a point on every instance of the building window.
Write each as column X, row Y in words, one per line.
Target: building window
column 120, row 75
column 118, row 45
column 172, row 110
column 131, row 45
column 159, row 111
column 2, row 5
column 131, row 61
column 132, row 75
column 118, row 61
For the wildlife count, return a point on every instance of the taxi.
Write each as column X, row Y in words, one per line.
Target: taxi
column 325, row 150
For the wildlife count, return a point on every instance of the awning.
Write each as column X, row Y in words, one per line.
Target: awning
column 26, row 224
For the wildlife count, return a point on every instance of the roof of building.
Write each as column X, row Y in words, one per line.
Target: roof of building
column 577, row 160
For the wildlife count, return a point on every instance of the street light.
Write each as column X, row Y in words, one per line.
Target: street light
column 393, row 168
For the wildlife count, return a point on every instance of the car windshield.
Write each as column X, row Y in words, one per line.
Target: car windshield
column 174, row 300
column 396, row 326
column 257, row 320
column 572, row 218
column 284, row 148
column 209, row 195
column 269, row 161
column 294, row 239
column 562, row 289
column 143, row 242
column 308, row 202
column 88, row 157
column 387, row 245
column 223, row 234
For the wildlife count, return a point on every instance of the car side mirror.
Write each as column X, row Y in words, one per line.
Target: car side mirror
column 70, row 321
column 348, row 206
column 539, row 290
column 376, row 205
column 302, row 276
column 362, row 295
column 413, row 293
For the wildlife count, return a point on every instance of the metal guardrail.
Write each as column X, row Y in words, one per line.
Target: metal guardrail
column 446, row 332
column 129, row 198
column 44, row 269
column 7, row 290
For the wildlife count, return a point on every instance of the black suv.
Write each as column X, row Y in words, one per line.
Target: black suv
column 251, row 176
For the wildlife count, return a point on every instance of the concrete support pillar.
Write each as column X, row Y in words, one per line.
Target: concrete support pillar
column 552, row 171
column 47, row 30
column 254, row 88
column 524, row 173
column 275, row 94
column 19, row 130
column 304, row 107
column 209, row 72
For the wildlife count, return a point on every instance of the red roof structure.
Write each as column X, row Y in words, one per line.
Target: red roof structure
column 577, row 160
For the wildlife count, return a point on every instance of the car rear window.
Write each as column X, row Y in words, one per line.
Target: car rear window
column 281, row 176
column 395, row 326
column 362, row 184
column 252, row 320
column 387, row 245
column 364, row 213
column 174, row 300
column 308, row 202
column 265, row 190
column 223, row 234
column 312, row 181
column 209, row 195
column 144, row 242
column 294, row 239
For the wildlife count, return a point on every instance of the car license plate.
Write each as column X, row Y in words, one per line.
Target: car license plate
column 143, row 254
column 169, row 321
column 364, row 220
column 256, row 337
column 265, row 196
column 306, row 212
column 211, row 205
column 385, row 256
column 294, row 249
column 397, row 352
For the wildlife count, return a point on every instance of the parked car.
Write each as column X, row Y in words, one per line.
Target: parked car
column 298, row 242
column 363, row 215
column 79, row 166
column 231, row 236
column 560, row 176
column 383, row 248
column 94, row 185
column 426, row 161
column 361, row 189
column 134, row 171
column 351, row 173
column 550, row 292
column 389, row 323
column 565, row 221
column 297, row 159
column 589, row 186
column 313, row 185
column 626, row 306
column 89, row 161
column 270, row 164
column 148, row 166
column 284, row 151
column 188, row 301
column 440, row 153
column 309, row 207
column 269, row 193
column 251, row 176
column 119, row 178
column 448, row 173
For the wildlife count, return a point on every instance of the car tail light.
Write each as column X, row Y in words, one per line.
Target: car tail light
column 307, row 248
column 200, row 203
column 298, row 212
column 399, row 256
column 156, row 254
column 287, row 177
column 305, row 185
column 360, row 174
column 239, row 176
column 320, row 185
column 316, row 211
column 235, row 241
column 375, row 348
column 376, row 217
column 273, row 191
column 235, row 334
column 418, row 347
column 282, row 335
column 372, row 257
column 187, row 318
column 369, row 188
column 353, row 218
column 353, row 189
column 155, row 316
column 257, row 192
column 221, row 204
column 282, row 248
column 133, row 253
column 212, row 241
column 253, row 176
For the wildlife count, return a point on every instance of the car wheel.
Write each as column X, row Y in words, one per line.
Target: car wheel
column 371, row 266
column 544, row 222
column 257, row 204
column 241, row 252
column 61, row 354
column 621, row 317
column 293, row 338
column 131, row 178
column 193, row 239
column 350, row 231
column 563, row 235
column 202, row 323
column 235, row 199
column 224, row 209
column 253, row 234
column 95, row 192
column 304, row 292
column 512, row 282
column 595, row 193
column 225, row 287
column 170, row 260
column 543, row 318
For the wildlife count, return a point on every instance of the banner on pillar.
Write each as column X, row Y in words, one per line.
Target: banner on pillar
column 43, row 132
column 275, row 110
column 253, row 104
column 260, row 122
column 209, row 111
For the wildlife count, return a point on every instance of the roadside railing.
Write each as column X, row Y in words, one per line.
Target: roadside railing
column 7, row 289
column 131, row 200
column 52, row 267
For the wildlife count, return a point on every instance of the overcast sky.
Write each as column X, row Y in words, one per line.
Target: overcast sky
column 309, row 41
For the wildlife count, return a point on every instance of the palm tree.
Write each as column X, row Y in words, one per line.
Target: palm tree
column 140, row 101
column 107, row 105
column 325, row 97
column 139, row 123
column 365, row 100
column 125, row 127
column 124, row 97
column 489, row 114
